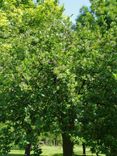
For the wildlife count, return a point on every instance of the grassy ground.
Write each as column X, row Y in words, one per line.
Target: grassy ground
column 52, row 151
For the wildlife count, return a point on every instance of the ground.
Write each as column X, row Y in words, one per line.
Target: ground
column 53, row 151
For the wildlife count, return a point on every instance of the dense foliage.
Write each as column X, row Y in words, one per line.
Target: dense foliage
column 99, row 68
column 57, row 78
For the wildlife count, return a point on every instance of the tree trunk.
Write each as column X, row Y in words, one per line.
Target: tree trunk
column 55, row 141
column 27, row 150
column 67, row 145
column 84, row 149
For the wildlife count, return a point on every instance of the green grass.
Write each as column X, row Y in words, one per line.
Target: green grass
column 53, row 151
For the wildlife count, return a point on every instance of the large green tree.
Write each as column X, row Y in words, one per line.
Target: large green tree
column 40, row 90
column 53, row 78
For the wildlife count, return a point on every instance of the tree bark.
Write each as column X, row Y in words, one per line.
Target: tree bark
column 67, row 145
column 55, row 141
column 84, row 149
column 27, row 150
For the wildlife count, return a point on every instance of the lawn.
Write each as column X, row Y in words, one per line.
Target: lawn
column 52, row 151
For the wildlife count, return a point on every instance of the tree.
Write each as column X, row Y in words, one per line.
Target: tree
column 98, row 40
column 38, row 95
column 57, row 79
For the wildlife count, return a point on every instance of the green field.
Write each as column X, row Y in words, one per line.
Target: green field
column 52, row 151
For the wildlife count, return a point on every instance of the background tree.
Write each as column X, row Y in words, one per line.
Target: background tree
column 98, row 49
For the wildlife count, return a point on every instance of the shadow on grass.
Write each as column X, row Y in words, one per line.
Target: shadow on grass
column 74, row 155
column 16, row 155
column 62, row 155
column 42, row 155
column 32, row 155
column 20, row 154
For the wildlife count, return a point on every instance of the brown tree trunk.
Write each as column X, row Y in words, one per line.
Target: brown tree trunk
column 67, row 145
column 84, row 149
column 27, row 150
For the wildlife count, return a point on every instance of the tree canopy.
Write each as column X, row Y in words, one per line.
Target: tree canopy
column 56, row 78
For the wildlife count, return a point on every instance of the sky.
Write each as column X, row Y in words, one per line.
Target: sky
column 72, row 7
